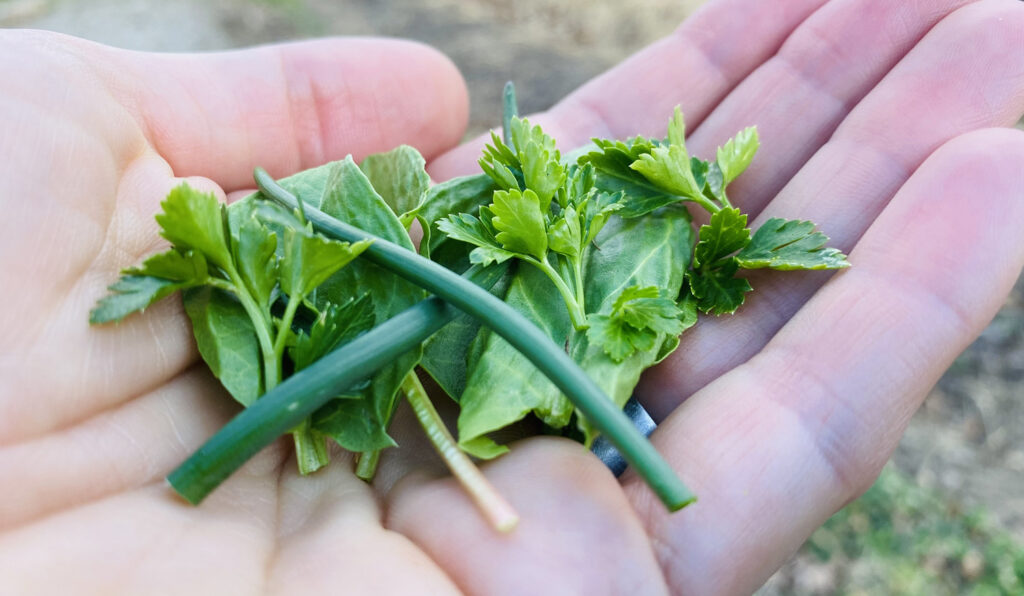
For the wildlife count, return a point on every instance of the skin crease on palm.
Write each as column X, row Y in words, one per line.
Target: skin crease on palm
column 880, row 119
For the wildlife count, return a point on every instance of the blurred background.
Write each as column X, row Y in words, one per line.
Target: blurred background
column 947, row 514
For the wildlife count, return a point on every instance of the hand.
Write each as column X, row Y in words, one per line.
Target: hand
column 93, row 418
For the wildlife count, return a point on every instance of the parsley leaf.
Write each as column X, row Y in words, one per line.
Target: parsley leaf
column 789, row 245
column 639, row 315
column 309, row 259
column 520, row 222
column 668, row 167
column 737, row 153
column 718, row 291
column 725, row 234
column 336, row 325
column 195, row 220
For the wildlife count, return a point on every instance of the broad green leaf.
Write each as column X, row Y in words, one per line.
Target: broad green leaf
column 336, row 325
column 724, row 234
column 458, row 195
column 718, row 291
column 519, row 222
column 361, row 424
column 737, row 153
column 790, row 245
column 128, row 294
column 195, row 220
column 400, row 178
column 446, row 354
column 256, row 258
column 227, row 341
column 309, row 259
column 648, row 251
column 503, row 386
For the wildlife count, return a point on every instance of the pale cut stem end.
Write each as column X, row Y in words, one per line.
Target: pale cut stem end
column 489, row 501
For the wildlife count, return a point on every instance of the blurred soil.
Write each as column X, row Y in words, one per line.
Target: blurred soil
column 967, row 442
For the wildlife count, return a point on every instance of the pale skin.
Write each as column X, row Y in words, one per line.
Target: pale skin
column 883, row 120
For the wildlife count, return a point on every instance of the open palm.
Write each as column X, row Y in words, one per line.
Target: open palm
column 875, row 118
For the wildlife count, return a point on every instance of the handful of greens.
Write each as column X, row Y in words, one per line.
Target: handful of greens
column 593, row 270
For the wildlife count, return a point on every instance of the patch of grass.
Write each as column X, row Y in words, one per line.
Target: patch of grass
column 901, row 539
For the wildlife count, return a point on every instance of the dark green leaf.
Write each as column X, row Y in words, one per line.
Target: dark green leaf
column 336, row 326
column 718, row 291
column 458, row 195
column 129, row 294
column 790, row 245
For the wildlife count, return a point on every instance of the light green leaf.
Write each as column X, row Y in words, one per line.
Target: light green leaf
column 520, row 222
column 195, row 220
column 400, row 178
column 725, row 234
column 256, row 258
column 227, row 341
column 668, row 169
column 183, row 267
column 309, row 259
column 737, row 153
column 458, row 195
column 790, row 245
column 564, row 236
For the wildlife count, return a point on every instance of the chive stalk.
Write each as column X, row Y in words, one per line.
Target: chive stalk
column 287, row 406
column 549, row 358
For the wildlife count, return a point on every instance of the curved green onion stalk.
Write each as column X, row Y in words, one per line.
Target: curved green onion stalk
column 291, row 402
column 549, row 358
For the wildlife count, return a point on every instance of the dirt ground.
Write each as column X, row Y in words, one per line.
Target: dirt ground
column 967, row 442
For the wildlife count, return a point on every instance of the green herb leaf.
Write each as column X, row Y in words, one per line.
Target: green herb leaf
column 195, row 220
column 669, row 167
column 468, row 228
column 256, row 258
column 789, row 245
column 718, row 291
column 336, row 325
column 458, row 195
column 725, row 234
column 361, row 424
column 309, row 259
column 737, row 153
column 400, row 177
column 227, row 341
column 129, row 294
column 519, row 219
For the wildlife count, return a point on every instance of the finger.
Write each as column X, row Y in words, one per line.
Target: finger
column 576, row 535
column 291, row 106
column 330, row 522
column 799, row 96
column 971, row 67
column 694, row 67
column 777, row 445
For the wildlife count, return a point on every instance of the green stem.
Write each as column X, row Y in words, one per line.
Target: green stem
column 576, row 314
column 271, row 364
column 490, row 502
column 366, row 468
column 294, row 400
column 310, row 449
column 512, row 326
column 286, row 325
column 706, row 203
column 510, row 110
column 580, row 296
